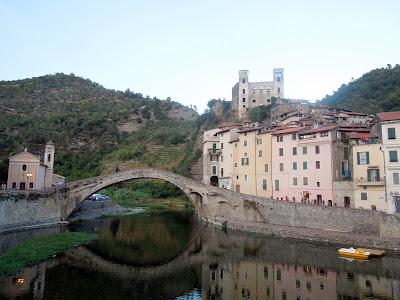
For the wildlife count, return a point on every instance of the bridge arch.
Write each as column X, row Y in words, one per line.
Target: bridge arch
column 76, row 192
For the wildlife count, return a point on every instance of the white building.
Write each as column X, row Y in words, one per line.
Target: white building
column 390, row 132
column 246, row 95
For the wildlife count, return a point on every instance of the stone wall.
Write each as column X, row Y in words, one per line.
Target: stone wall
column 20, row 209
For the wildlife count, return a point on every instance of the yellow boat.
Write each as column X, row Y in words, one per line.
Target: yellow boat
column 360, row 253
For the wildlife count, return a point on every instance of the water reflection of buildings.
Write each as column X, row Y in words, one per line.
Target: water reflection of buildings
column 30, row 281
column 255, row 280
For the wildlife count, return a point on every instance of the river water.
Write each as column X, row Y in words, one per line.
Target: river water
column 170, row 255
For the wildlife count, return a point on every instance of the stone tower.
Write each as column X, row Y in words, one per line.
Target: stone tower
column 243, row 101
column 49, row 162
column 278, row 83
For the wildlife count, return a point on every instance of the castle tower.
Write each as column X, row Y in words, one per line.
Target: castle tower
column 278, row 82
column 243, row 101
column 49, row 162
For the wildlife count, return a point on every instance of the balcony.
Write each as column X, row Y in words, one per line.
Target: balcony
column 214, row 151
column 363, row 181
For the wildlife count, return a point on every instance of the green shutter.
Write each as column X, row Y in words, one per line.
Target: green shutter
column 358, row 158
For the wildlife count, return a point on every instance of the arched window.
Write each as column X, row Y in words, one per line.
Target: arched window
column 24, row 167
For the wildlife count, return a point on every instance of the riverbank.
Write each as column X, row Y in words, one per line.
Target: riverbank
column 36, row 250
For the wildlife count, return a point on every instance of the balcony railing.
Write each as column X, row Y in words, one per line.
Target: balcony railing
column 363, row 181
column 214, row 150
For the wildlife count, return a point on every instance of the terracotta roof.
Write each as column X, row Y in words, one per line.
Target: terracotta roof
column 353, row 129
column 361, row 135
column 287, row 130
column 249, row 129
column 320, row 129
column 388, row 116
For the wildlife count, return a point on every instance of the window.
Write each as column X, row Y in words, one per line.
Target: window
column 265, row 272
column 14, row 185
column 345, row 169
column 294, row 166
column 213, row 157
column 362, row 158
column 244, row 100
column 373, row 207
column 318, row 184
column 373, row 175
column 391, row 133
column 280, row 151
column 304, row 165
column 305, row 180
column 259, row 141
column 364, row 196
column 49, row 157
column 276, row 185
column 304, row 150
column 24, row 167
column 245, row 134
column 346, row 153
column 325, row 133
column 245, row 143
column 294, row 180
column 265, row 167
column 393, row 156
column 214, row 170
column 298, row 284
column 235, row 165
column 245, row 161
column 278, row 274
column 260, row 153
column 222, row 146
column 318, row 164
column 245, row 177
column 316, row 149
column 214, row 146
column 284, row 297
column 396, row 179
column 254, row 100
column 279, row 138
column 222, row 172
column 264, row 184
column 244, row 91
column 222, row 158
column 294, row 136
column 294, row 150
column 244, row 80
column 279, row 90
column 31, row 185
column 309, row 286
column 281, row 167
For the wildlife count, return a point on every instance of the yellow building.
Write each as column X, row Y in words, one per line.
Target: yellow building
column 369, row 178
column 252, row 162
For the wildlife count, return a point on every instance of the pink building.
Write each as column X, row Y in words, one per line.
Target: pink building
column 302, row 164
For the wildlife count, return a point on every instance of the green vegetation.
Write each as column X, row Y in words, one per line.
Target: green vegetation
column 150, row 193
column 36, row 250
column 375, row 91
column 95, row 130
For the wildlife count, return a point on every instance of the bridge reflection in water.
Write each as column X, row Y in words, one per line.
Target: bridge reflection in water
column 165, row 256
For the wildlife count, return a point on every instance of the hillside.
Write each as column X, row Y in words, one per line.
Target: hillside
column 95, row 129
column 375, row 91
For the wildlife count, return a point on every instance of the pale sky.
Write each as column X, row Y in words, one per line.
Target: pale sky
column 191, row 51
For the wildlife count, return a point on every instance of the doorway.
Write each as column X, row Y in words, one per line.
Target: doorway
column 238, row 188
column 346, row 201
column 214, row 180
column 22, row 186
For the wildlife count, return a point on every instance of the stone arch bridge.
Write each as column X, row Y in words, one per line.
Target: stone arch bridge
column 218, row 206
column 208, row 201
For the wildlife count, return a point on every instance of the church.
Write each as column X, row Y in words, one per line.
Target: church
column 27, row 172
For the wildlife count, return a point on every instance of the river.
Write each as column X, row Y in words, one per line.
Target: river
column 170, row 255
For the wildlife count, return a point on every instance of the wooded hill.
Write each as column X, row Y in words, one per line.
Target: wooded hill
column 94, row 129
column 375, row 91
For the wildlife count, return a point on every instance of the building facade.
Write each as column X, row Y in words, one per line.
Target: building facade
column 27, row 172
column 369, row 182
column 247, row 95
column 390, row 132
column 252, row 165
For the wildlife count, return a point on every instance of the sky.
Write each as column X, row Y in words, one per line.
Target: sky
column 191, row 51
